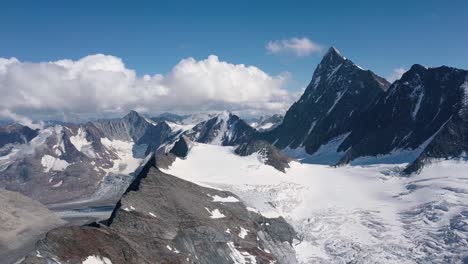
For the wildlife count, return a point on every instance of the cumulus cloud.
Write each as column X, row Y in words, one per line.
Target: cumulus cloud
column 100, row 84
column 300, row 47
column 396, row 74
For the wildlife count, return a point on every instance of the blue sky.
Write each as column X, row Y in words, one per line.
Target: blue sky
column 152, row 36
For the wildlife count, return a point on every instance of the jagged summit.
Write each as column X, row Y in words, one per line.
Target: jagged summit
column 132, row 113
column 333, row 55
column 338, row 92
column 330, row 62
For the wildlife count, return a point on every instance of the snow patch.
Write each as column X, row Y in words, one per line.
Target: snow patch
column 222, row 121
column 327, row 154
column 240, row 257
column 229, row 199
column 58, row 184
column 243, row 233
column 82, row 144
column 179, row 128
column 126, row 163
column 215, row 214
column 420, row 93
column 52, row 163
column 97, row 260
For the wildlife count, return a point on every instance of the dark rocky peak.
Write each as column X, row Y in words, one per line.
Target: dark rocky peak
column 413, row 115
column 340, row 91
column 132, row 126
column 133, row 116
column 332, row 58
column 270, row 154
column 181, row 147
column 16, row 133
column 336, row 73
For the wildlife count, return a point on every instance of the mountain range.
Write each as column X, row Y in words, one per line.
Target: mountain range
column 347, row 117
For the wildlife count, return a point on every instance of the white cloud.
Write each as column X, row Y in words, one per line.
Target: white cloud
column 300, row 47
column 99, row 84
column 396, row 74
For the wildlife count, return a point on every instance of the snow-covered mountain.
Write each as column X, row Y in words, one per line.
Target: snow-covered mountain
column 89, row 162
column 95, row 161
column 265, row 123
column 349, row 115
column 340, row 91
column 422, row 113
column 223, row 129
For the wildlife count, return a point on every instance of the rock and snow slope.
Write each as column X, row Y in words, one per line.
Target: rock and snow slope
column 164, row 219
column 349, row 115
column 339, row 92
column 348, row 214
column 70, row 163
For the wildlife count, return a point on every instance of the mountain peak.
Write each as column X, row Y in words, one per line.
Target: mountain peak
column 331, row 60
column 418, row 68
column 335, row 51
column 132, row 113
column 333, row 56
column 134, row 116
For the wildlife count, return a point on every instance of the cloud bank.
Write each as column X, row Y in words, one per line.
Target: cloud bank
column 299, row 47
column 103, row 84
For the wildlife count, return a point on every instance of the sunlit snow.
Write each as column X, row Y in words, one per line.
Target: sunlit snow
column 229, row 199
column 215, row 214
column 127, row 162
column 52, row 163
column 365, row 214
column 97, row 260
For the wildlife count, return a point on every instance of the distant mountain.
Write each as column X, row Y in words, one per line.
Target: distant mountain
column 87, row 162
column 223, row 129
column 15, row 133
column 340, row 91
column 265, row 123
column 94, row 162
column 169, row 117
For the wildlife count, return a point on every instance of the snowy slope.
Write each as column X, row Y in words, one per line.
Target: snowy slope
column 362, row 214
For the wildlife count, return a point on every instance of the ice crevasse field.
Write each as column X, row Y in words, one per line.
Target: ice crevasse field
column 368, row 214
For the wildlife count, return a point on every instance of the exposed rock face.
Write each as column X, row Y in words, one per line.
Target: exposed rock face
column 348, row 115
column 271, row 154
column 15, row 133
column 23, row 221
column 136, row 128
column 422, row 113
column 90, row 162
column 340, row 91
column 163, row 219
column 181, row 147
column 224, row 129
